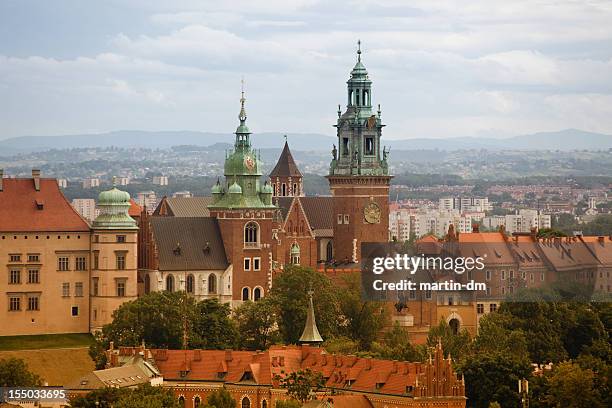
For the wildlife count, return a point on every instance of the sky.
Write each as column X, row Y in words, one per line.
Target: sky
column 439, row 68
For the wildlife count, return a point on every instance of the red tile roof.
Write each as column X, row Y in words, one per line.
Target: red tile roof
column 135, row 210
column 23, row 209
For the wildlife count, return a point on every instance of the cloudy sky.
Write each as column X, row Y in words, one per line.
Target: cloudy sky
column 440, row 68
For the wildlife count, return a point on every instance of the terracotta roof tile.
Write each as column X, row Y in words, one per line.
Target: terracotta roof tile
column 19, row 211
column 286, row 167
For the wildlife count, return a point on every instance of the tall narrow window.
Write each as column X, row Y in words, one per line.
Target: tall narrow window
column 14, row 304
column 33, row 303
column 245, row 293
column 66, row 289
column 345, row 146
column 15, row 276
column 120, row 260
column 189, row 283
column 295, row 192
column 78, row 289
column 120, row 287
column 95, row 283
column 63, row 263
column 80, row 263
column 329, row 251
column 283, row 190
column 251, row 235
column 170, row 283
column 369, row 146
column 147, row 284
column 246, row 403
column 256, row 294
column 212, row 283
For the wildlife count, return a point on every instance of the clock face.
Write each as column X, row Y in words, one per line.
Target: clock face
column 249, row 162
column 371, row 213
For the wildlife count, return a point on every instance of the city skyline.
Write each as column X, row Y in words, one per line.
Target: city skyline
column 442, row 70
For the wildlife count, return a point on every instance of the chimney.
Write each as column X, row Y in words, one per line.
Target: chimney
column 601, row 240
column 36, row 177
column 1, row 175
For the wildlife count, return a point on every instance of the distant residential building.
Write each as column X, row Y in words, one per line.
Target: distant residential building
column 123, row 181
column 523, row 221
column 438, row 222
column 147, row 199
column 62, row 183
column 465, row 204
column 182, row 194
column 160, row 180
column 91, row 182
column 86, row 207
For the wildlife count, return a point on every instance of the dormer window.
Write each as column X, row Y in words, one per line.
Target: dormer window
column 40, row 204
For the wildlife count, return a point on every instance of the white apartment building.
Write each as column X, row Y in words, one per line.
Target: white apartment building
column 465, row 204
column 147, row 199
column 400, row 224
column 123, row 181
column 160, row 180
column 182, row 194
column 86, row 207
column 91, row 182
column 438, row 222
column 62, row 183
column 523, row 221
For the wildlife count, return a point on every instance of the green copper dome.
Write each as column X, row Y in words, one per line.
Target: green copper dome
column 114, row 205
column 217, row 189
column 114, row 197
column 235, row 189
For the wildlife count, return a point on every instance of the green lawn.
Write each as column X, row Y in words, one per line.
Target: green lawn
column 46, row 341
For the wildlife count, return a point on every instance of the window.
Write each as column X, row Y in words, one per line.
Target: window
column 251, row 235
column 15, row 258
column 14, row 304
column 63, row 263
column 75, row 311
column 80, row 264
column 94, row 286
column 120, row 283
column 121, row 238
column 196, row 402
column 451, row 301
column 503, row 275
column 428, row 294
column 189, row 284
column 511, row 274
column 492, row 307
column 369, row 146
column 147, row 284
column 14, row 276
column 531, row 277
column 96, row 260
column 283, row 190
column 120, row 260
column 257, row 294
column 33, row 258
column 33, row 276
column 247, row 264
column 78, row 289
column 33, row 303
column 480, row 308
column 346, row 218
column 245, row 293
column 246, row 403
column 256, row 264
column 488, row 291
column 170, row 283
column 503, row 290
column 524, row 275
column 345, row 146
column 488, row 275
column 295, row 254
column 339, row 218
column 295, row 192
column 212, row 283
column 66, row 289
column 542, row 276
column 329, row 251
column 264, row 404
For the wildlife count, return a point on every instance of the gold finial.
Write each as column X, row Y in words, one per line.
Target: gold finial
column 242, row 116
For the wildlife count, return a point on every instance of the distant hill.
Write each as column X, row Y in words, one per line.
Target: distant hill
column 569, row 139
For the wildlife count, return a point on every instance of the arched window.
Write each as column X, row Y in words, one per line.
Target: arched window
column 190, row 283
column 246, row 403
column 170, row 283
column 283, row 190
column 181, row 401
column 295, row 192
column 212, row 283
column 329, row 251
column 196, row 402
column 251, row 234
column 290, row 229
column 295, row 254
column 147, row 284
column 264, row 404
column 256, row 294
column 454, row 325
column 245, row 293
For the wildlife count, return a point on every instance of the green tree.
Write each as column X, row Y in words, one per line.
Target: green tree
column 571, row 386
column 220, row 398
column 364, row 319
column 455, row 344
column 97, row 351
column 212, row 327
column 396, row 345
column 301, row 384
column 147, row 396
column 14, row 372
column 288, row 403
column 257, row 324
column 289, row 294
column 102, row 398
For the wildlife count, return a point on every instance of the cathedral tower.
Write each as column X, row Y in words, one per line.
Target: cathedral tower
column 244, row 210
column 359, row 173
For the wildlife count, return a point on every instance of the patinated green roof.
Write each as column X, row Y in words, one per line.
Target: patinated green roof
column 114, row 205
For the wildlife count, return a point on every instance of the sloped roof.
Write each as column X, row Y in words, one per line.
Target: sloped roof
column 20, row 203
column 199, row 239
column 184, row 207
column 601, row 247
column 567, row 253
column 285, row 166
column 284, row 204
column 320, row 211
column 135, row 210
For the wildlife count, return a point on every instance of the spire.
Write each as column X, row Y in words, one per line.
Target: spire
column 242, row 130
column 311, row 334
column 242, row 115
column 358, row 50
column 286, row 167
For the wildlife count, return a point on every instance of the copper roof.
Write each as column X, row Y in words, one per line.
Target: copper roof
column 24, row 209
column 286, row 167
column 188, row 243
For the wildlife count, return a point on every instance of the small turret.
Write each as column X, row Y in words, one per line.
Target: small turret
column 311, row 334
column 114, row 205
column 266, row 194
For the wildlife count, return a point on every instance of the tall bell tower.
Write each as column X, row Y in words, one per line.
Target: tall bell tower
column 359, row 172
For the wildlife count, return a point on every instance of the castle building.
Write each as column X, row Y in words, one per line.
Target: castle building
column 61, row 274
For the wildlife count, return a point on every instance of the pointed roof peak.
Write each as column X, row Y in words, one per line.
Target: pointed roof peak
column 285, row 166
column 311, row 334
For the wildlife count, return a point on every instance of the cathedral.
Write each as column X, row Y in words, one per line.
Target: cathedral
column 230, row 245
